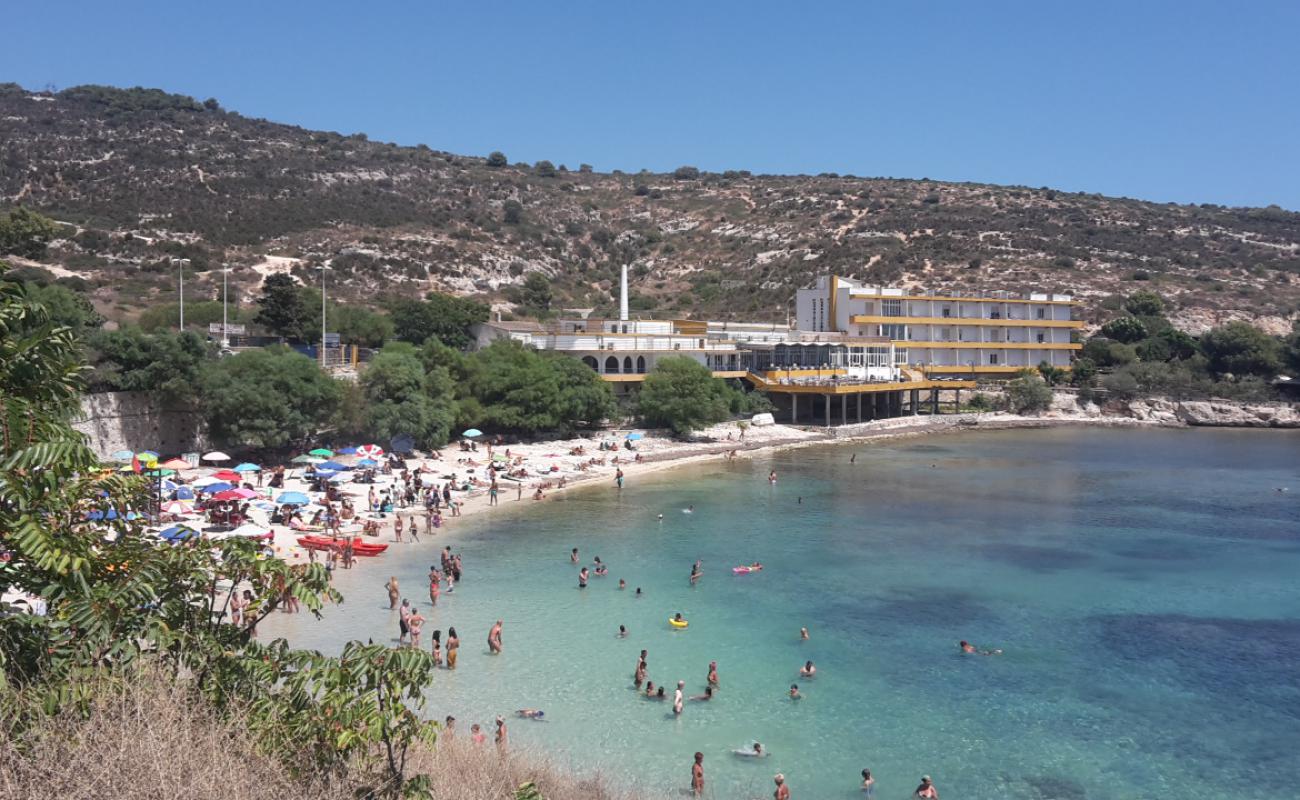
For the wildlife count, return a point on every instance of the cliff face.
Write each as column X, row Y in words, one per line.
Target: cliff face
column 144, row 175
column 1178, row 413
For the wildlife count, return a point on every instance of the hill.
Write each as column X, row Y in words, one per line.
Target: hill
column 143, row 175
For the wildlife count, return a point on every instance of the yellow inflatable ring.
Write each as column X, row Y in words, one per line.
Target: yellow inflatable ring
column 678, row 623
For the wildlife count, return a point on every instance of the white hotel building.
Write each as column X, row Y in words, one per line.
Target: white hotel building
column 965, row 334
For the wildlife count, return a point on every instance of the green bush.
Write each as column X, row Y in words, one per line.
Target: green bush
column 1028, row 394
column 682, row 394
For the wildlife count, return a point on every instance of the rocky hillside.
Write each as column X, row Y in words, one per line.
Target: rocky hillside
column 142, row 175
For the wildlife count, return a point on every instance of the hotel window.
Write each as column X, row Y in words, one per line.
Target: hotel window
column 900, row 355
column 895, row 332
column 947, row 312
column 993, row 358
column 891, row 308
column 1040, row 338
column 1041, row 313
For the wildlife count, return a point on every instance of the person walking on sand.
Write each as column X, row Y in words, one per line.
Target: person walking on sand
column 453, row 645
column 394, row 594
column 494, row 639
column 677, row 697
column 697, row 775
column 415, row 532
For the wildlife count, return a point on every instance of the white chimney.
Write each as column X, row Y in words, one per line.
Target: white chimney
column 622, row 296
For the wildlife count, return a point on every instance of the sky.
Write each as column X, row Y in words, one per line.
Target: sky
column 1185, row 101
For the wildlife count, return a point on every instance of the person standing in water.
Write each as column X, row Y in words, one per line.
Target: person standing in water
column 782, row 791
column 803, row 634
column 926, row 790
column 868, row 784
column 494, row 639
column 697, row 775
column 404, row 621
column 394, row 593
column 501, row 732
column 771, row 476
column 582, row 578
column 453, row 646
column 573, row 556
column 696, row 571
column 713, row 674
column 677, row 697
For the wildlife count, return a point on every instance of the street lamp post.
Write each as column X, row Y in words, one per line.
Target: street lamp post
column 180, row 274
column 324, row 360
column 225, row 293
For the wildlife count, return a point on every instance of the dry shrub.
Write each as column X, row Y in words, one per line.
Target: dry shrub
column 148, row 739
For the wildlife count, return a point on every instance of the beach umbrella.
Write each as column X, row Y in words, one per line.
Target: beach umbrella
column 341, row 477
column 177, row 507
column 147, row 455
column 184, row 493
column 499, row 457
column 370, row 451
column 249, row 529
column 322, row 452
column 176, row 463
column 246, row 494
column 226, row 475
column 367, row 462
column 347, row 451
column 123, row 455
column 219, row 486
column 160, row 473
column 632, row 437
column 293, row 499
column 332, row 466
column 472, row 432
column 206, row 480
column 305, row 459
column 228, row 494
column 247, row 467
column 216, row 455
column 177, row 533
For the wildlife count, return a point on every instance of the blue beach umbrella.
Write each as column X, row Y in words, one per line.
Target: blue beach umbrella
column 332, row 466
column 632, row 437
column 147, row 455
column 184, row 493
column 292, row 499
column 367, row 462
column 348, row 451
column 177, row 533
column 472, row 432
column 213, row 488
column 122, row 455
column 247, row 467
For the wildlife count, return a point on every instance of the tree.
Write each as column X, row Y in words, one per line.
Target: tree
column 1125, row 329
column 267, row 398
column 1120, row 385
column 358, row 325
column 1108, row 353
column 198, row 313
column 682, row 394
column 66, row 307
column 496, row 159
column 512, row 212
column 544, row 169
column 1028, row 393
column 1082, row 371
column 281, row 307
column 402, row 400
column 130, row 360
column 442, row 316
column 1145, row 304
column 1052, row 375
column 537, row 294
column 517, row 389
column 26, row 233
column 1239, row 348
column 686, row 173
column 584, row 396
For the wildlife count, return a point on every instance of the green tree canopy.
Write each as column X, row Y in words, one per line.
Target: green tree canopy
column 1028, row 394
column 130, row 360
column 267, row 398
column 281, row 309
column 401, row 399
column 1144, row 304
column 496, row 159
column 66, row 307
column 517, row 389
column 25, row 233
column 584, row 395
column 682, row 394
column 1240, row 348
column 1125, row 329
column 198, row 314
column 1108, row 353
column 442, row 316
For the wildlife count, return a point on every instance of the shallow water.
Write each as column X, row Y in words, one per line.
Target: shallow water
column 1143, row 585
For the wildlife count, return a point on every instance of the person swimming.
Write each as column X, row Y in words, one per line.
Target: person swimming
column 926, row 790
column 688, row 510
column 531, row 713
column 753, row 751
column 803, row 634
column 696, row 571
column 808, row 670
column 703, row 698
column 967, row 647
column 638, row 591
column 794, row 692
column 622, row 632
column 622, row 584
column 573, row 556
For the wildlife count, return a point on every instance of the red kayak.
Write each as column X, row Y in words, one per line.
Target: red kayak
column 359, row 547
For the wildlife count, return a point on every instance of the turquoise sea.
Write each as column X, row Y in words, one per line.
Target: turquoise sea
column 1144, row 586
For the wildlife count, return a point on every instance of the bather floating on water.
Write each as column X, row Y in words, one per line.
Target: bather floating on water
column 967, row 647
column 753, row 751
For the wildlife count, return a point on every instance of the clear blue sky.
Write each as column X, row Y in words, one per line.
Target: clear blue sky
column 1186, row 101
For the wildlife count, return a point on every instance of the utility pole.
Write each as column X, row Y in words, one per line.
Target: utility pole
column 324, row 360
column 225, row 293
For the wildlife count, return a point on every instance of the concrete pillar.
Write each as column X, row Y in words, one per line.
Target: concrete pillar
column 915, row 400
column 794, row 409
column 934, row 402
column 956, row 405
column 859, row 406
column 828, row 409
column 844, row 409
